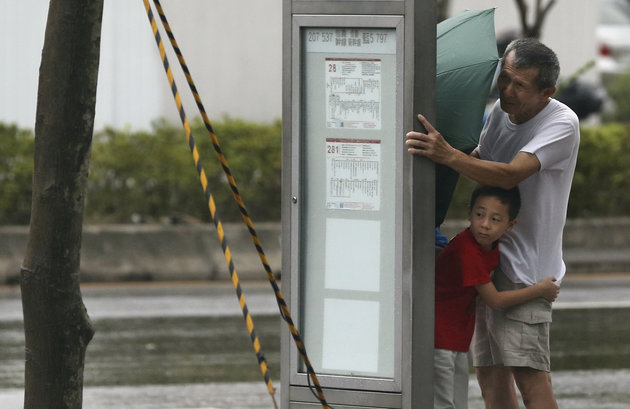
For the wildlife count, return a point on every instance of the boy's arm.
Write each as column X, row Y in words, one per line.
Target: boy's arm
column 499, row 300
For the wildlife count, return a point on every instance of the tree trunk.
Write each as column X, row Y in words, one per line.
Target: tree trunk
column 541, row 11
column 443, row 7
column 57, row 328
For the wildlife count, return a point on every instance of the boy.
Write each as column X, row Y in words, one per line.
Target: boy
column 462, row 271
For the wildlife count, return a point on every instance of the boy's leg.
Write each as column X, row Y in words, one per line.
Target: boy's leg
column 444, row 377
column 460, row 396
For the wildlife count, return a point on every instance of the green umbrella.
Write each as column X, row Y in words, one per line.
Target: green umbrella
column 466, row 62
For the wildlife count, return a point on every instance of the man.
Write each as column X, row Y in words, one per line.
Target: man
column 529, row 140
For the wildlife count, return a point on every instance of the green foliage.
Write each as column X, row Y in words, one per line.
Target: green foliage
column 16, row 174
column 254, row 155
column 150, row 176
column 601, row 185
column 458, row 208
column 619, row 92
column 143, row 176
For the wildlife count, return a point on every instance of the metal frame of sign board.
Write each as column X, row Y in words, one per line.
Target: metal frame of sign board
column 349, row 7
column 414, row 376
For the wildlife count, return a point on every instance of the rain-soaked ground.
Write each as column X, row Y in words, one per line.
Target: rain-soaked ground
column 185, row 346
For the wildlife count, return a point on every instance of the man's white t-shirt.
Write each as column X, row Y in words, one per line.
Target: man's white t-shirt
column 533, row 249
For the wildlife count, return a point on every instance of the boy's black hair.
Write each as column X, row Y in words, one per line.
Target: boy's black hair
column 510, row 197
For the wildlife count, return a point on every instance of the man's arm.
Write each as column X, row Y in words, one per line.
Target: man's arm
column 432, row 145
column 499, row 300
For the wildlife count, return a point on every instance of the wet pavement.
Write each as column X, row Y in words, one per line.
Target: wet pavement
column 184, row 345
column 601, row 389
column 212, row 298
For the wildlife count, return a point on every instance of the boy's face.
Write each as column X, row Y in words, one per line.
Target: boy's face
column 489, row 219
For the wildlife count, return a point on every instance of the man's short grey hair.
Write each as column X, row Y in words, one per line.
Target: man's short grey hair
column 531, row 53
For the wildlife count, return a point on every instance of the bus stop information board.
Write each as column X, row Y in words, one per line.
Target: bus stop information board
column 347, row 223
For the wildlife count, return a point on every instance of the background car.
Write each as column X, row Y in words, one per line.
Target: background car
column 613, row 39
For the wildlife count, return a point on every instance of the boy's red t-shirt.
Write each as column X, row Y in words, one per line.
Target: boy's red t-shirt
column 460, row 266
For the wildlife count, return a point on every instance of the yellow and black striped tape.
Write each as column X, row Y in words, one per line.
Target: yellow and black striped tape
column 211, row 205
column 284, row 309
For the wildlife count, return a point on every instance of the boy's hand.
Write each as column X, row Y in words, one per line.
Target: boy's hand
column 549, row 289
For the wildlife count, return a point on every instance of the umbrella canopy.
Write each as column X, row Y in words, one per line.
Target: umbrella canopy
column 466, row 63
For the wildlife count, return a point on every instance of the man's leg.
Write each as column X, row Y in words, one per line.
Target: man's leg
column 495, row 380
column 520, row 341
column 535, row 388
column 497, row 387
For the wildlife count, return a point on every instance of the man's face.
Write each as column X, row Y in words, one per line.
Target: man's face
column 520, row 97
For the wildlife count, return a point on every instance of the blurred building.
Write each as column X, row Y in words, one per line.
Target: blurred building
column 233, row 49
column 569, row 28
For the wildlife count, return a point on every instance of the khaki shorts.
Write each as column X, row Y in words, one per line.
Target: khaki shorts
column 515, row 337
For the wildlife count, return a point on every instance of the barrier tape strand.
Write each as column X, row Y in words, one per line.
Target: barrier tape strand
column 212, row 206
column 284, row 309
